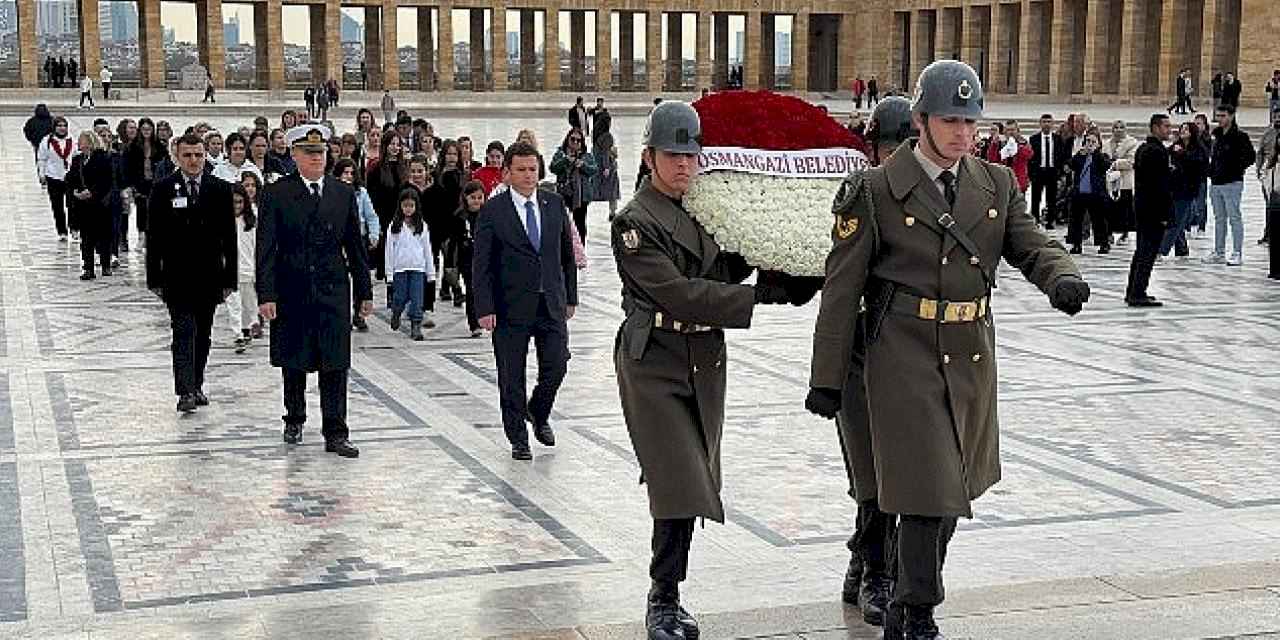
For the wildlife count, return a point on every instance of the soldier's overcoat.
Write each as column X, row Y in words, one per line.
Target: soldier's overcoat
column 672, row 384
column 930, row 386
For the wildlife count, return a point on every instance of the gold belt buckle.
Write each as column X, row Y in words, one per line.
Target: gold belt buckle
column 961, row 312
column 928, row 309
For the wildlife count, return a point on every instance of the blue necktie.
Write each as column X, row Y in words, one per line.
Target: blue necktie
column 531, row 222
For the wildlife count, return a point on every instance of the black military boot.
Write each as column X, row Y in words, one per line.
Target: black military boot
column 662, row 619
column 688, row 624
column 852, row 580
column 875, row 597
column 911, row 623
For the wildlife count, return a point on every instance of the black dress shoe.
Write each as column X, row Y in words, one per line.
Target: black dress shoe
column 292, row 434
column 201, row 399
column 342, row 447
column 544, row 434
column 919, row 625
column 521, row 452
column 86, row 276
column 1076, row 250
column 1144, row 302
column 662, row 617
column 360, row 325
column 187, row 403
column 875, row 598
column 688, row 624
column 852, row 581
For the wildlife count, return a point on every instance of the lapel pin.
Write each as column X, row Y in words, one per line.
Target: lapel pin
column 910, row 221
column 992, row 213
column 973, row 260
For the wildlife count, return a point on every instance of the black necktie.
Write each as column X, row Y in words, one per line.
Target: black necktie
column 315, row 190
column 949, row 187
column 193, row 189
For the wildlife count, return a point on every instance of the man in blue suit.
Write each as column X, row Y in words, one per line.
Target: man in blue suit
column 526, row 285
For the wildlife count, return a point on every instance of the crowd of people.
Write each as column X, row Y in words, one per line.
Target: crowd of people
column 406, row 178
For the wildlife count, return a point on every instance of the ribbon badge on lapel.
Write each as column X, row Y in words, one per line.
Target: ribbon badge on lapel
column 846, row 227
column 631, row 240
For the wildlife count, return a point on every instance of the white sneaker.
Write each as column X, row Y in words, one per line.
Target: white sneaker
column 1235, row 260
column 1213, row 258
column 428, row 320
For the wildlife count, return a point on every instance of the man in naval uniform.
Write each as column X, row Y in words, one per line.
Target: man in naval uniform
column 920, row 237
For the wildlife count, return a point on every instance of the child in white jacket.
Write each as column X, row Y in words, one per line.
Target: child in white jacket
column 408, row 261
column 242, row 304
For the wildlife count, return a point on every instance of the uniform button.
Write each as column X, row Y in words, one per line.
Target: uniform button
column 910, row 221
column 944, row 259
column 973, row 260
column 695, row 368
column 946, row 359
column 992, row 213
column 977, row 357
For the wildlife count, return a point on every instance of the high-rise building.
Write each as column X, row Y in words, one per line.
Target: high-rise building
column 231, row 32
column 741, row 38
column 513, row 44
column 782, row 48
column 170, row 36
column 124, row 20
column 8, row 17
column 351, row 30
column 57, row 18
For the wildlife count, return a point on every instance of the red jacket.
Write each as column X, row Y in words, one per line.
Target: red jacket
column 490, row 177
column 1019, row 163
column 859, row 87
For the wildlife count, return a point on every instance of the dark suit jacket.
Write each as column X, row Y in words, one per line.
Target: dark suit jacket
column 1097, row 170
column 509, row 276
column 1061, row 153
column 191, row 250
column 1152, row 184
column 310, row 256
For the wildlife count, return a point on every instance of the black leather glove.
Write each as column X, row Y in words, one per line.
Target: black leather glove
column 771, row 287
column 1069, row 295
column 801, row 289
column 822, row 401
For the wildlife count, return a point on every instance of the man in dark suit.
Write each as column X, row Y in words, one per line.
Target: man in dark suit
column 191, row 262
column 526, row 285
column 1153, row 202
column 579, row 117
column 1049, row 154
column 309, row 255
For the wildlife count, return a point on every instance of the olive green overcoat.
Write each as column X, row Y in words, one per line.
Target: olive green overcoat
column 930, row 386
column 672, row 384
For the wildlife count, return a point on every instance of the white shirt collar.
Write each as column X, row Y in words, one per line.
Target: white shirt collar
column 519, row 201
column 318, row 181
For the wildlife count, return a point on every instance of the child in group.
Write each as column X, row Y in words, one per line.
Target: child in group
column 242, row 304
column 408, row 261
column 472, row 201
column 252, row 183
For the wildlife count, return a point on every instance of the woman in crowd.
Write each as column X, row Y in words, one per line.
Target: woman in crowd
column 446, row 227
column 364, row 122
column 371, row 150
column 1200, row 213
column 608, row 189
column 237, row 161
column 53, row 159
column 1190, row 169
column 279, row 162
column 385, row 179
column 574, row 166
column 288, row 119
column 1271, row 182
column 164, row 132
column 259, row 147
column 145, row 153
column 89, row 181
column 335, row 152
column 213, row 147
column 1122, row 148
column 490, row 175
column 1089, row 196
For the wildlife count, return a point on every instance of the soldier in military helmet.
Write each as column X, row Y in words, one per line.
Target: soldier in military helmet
column 680, row 291
column 919, row 238
column 866, row 581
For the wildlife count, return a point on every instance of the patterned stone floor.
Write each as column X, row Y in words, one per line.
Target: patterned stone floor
column 1140, row 499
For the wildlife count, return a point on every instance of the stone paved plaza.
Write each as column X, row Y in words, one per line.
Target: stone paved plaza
column 1141, row 497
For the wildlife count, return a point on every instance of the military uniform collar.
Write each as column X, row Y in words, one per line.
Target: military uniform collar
column 905, row 172
column 677, row 222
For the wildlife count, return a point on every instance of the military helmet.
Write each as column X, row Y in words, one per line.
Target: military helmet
column 948, row 88
column 891, row 121
column 673, row 127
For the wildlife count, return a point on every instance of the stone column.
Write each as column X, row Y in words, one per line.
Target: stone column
column 268, row 25
column 922, row 43
column 528, row 53
column 1030, row 67
column 720, row 65
column 946, row 43
column 1131, row 52
column 213, row 51
column 444, row 46
column 477, row 48
column 997, row 52
column 653, row 50
column 702, row 52
column 751, row 70
column 852, row 48
column 973, row 33
column 1210, row 61
column 498, row 40
column 372, row 48
column 551, row 49
column 427, row 52
column 768, row 51
column 800, row 52
column 578, row 49
column 390, row 40
column 1173, row 25
column 151, row 44
column 626, row 51
column 29, row 61
column 604, row 53
column 675, row 52
column 1095, row 46
column 90, row 40
column 1060, row 71
column 330, row 42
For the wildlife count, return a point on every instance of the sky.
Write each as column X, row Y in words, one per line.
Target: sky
column 181, row 17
